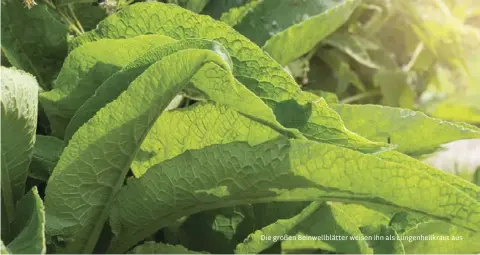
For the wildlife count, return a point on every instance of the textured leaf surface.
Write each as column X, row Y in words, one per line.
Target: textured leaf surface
column 161, row 248
column 119, row 82
column 194, row 128
column 328, row 220
column 34, row 39
column 85, row 69
column 300, row 38
column 252, row 67
column 19, row 103
column 237, row 173
column 449, row 239
column 413, row 132
column 46, row 154
column 29, row 225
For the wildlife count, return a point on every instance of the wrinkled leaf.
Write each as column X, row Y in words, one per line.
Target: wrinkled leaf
column 46, row 154
column 161, row 248
column 279, row 170
column 19, row 103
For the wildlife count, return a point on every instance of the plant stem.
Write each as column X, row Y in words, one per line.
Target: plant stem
column 360, row 96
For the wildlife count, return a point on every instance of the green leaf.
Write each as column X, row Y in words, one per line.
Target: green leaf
column 328, row 220
column 89, row 15
column 413, row 132
column 217, row 231
column 4, row 249
column 196, row 127
column 85, row 69
column 396, row 88
column 119, row 121
column 441, row 237
column 312, row 23
column 112, row 87
column 314, row 221
column 341, row 68
column 29, row 225
column 162, row 248
column 384, row 239
column 19, row 101
column 235, row 15
column 351, row 46
column 215, row 9
column 33, row 39
column 279, row 170
column 252, row 67
column 46, row 154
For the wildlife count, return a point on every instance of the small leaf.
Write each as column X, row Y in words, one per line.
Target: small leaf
column 29, row 225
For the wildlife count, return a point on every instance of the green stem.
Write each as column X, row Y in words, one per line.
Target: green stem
column 360, row 96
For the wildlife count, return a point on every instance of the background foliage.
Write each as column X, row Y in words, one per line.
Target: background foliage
column 370, row 60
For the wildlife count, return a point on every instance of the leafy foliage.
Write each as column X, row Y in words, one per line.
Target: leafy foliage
column 175, row 132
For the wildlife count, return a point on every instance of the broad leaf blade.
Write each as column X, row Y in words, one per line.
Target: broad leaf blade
column 29, row 225
column 413, row 132
column 279, row 170
column 34, row 39
column 19, row 103
column 252, row 67
column 85, row 69
column 77, row 210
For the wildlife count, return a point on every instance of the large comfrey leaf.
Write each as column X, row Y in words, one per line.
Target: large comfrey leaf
column 194, row 128
column 84, row 70
column 91, row 169
column 352, row 46
column 19, row 103
column 278, row 170
column 34, row 40
column 414, row 132
column 252, row 67
column 29, row 225
column 117, row 83
column 289, row 29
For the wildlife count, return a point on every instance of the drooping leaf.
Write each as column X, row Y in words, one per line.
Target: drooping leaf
column 46, row 154
column 413, row 132
column 279, row 170
column 84, row 70
column 162, row 248
column 352, row 47
column 142, row 102
column 117, row 83
column 34, row 39
column 252, row 67
column 19, row 103
column 29, row 225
